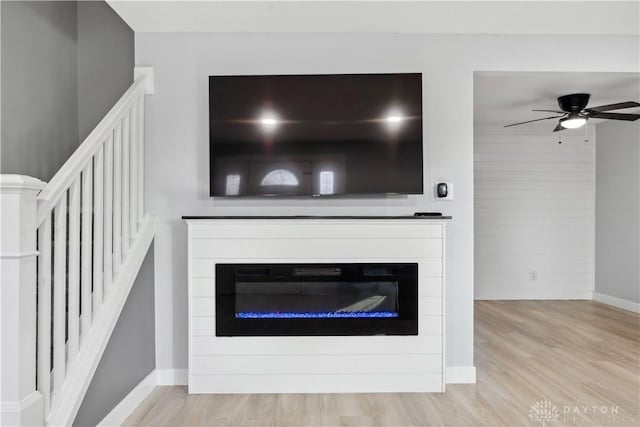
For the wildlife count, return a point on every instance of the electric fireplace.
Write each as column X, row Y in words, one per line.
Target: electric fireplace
column 316, row 299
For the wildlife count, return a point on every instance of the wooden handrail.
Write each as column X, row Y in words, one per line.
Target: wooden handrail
column 63, row 179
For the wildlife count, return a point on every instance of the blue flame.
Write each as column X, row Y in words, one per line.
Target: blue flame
column 314, row 315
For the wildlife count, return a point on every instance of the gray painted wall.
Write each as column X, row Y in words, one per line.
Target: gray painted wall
column 105, row 62
column 64, row 65
column 39, row 86
column 130, row 355
column 617, row 266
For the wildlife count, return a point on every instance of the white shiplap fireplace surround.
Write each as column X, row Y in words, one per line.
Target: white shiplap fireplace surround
column 316, row 364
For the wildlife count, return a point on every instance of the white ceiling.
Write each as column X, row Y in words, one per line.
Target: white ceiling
column 357, row 16
column 504, row 98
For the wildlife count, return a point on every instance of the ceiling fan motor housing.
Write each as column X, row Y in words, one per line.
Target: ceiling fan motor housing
column 574, row 102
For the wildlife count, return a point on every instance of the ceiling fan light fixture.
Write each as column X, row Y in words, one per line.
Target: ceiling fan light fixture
column 574, row 121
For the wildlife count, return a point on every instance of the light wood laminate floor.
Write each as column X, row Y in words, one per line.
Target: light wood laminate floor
column 579, row 358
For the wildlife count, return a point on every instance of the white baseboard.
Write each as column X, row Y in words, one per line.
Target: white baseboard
column 144, row 388
column 172, row 376
column 531, row 294
column 617, row 302
column 131, row 401
column 460, row 375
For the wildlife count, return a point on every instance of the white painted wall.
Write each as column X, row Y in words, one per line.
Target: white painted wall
column 618, row 213
column 177, row 138
column 534, row 213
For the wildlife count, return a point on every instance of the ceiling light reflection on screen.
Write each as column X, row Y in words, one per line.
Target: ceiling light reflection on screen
column 394, row 119
column 269, row 121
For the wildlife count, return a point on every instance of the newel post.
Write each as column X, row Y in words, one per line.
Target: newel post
column 20, row 402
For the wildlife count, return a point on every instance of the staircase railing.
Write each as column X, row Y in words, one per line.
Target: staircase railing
column 92, row 234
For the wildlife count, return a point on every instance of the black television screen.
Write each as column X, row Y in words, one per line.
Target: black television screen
column 320, row 135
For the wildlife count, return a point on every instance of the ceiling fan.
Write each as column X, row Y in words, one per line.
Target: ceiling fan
column 574, row 114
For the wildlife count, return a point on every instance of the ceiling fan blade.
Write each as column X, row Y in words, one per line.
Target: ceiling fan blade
column 618, row 106
column 536, row 120
column 551, row 111
column 558, row 128
column 614, row 116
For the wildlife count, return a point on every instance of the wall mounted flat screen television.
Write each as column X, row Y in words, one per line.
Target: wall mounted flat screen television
column 315, row 135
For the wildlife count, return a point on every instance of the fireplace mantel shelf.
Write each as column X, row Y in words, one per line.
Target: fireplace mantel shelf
column 435, row 217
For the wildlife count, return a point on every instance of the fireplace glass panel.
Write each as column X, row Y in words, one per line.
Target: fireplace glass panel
column 335, row 299
column 316, row 299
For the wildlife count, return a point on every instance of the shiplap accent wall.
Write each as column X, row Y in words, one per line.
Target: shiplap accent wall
column 316, row 364
column 534, row 213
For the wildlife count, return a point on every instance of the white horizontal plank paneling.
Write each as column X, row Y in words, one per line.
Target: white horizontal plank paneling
column 566, row 187
column 531, row 221
column 431, row 268
column 430, row 306
column 557, row 251
column 393, row 344
column 429, row 286
column 203, row 306
column 549, row 191
column 430, row 325
column 529, row 141
column 353, row 383
column 540, row 240
column 293, row 249
column 203, row 326
column 514, row 146
column 553, row 276
column 543, row 260
column 525, row 230
column 527, row 166
column 316, row 364
column 203, row 287
column 202, row 268
column 560, row 267
column 302, row 229
column 527, row 176
column 542, row 203
column 534, row 214
column 548, row 157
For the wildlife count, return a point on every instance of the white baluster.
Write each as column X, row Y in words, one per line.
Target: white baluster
column 59, row 295
column 126, row 137
column 44, row 312
column 108, row 212
column 117, row 198
column 141, row 159
column 97, row 228
column 85, row 256
column 133, row 162
column 73, row 342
